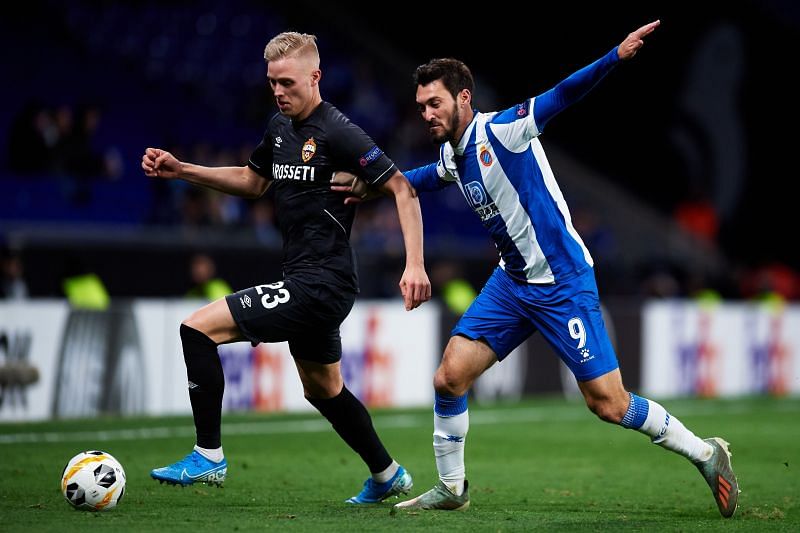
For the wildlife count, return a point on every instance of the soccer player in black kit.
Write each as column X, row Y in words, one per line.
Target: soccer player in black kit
column 303, row 145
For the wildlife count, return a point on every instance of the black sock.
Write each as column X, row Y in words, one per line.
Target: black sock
column 206, row 385
column 352, row 422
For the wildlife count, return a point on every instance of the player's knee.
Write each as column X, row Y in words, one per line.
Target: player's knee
column 191, row 335
column 199, row 323
column 450, row 382
column 193, row 321
column 607, row 409
column 323, row 388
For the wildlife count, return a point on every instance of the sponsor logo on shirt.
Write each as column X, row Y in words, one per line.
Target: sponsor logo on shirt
column 479, row 200
column 370, row 156
column 309, row 149
column 292, row 172
column 485, row 157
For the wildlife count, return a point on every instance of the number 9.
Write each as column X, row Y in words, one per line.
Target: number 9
column 577, row 331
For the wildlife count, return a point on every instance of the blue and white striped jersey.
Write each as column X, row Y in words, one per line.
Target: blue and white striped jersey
column 503, row 172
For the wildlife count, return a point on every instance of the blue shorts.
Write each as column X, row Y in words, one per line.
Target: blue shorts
column 507, row 312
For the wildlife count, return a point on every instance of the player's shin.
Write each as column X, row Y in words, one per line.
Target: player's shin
column 450, row 426
column 352, row 422
column 206, row 385
column 650, row 418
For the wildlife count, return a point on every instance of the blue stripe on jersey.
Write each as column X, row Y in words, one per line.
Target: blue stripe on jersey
column 565, row 256
column 484, row 205
column 488, row 210
column 513, row 191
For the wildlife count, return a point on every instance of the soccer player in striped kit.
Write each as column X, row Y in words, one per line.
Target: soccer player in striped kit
column 545, row 280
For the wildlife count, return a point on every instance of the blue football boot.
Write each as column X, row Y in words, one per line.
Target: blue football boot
column 374, row 492
column 194, row 468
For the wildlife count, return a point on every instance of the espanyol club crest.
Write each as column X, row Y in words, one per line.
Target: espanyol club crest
column 485, row 156
column 309, row 149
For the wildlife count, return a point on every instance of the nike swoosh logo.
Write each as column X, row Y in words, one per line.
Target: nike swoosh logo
column 187, row 475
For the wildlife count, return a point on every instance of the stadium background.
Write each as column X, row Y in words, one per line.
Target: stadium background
column 676, row 168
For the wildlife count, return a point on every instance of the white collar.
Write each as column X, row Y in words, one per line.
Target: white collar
column 462, row 143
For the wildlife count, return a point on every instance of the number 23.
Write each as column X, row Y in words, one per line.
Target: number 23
column 278, row 295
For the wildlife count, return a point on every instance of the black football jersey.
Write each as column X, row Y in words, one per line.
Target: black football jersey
column 300, row 157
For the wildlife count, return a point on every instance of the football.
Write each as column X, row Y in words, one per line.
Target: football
column 93, row 481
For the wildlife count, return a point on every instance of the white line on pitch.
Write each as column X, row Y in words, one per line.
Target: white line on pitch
column 481, row 416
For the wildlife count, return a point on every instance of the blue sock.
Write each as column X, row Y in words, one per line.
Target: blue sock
column 449, row 405
column 637, row 412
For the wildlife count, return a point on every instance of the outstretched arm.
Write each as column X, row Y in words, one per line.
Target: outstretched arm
column 414, row 285
column 238, row 181
column 576, row 86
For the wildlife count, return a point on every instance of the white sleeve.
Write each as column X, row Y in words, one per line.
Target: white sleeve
column 515, row 127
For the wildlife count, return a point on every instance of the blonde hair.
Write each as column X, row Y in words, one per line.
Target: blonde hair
column 292, row 44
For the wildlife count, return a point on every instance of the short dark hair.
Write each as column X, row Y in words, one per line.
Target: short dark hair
column 455, row 75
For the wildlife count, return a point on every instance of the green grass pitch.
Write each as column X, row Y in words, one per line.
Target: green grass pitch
column 538, row 465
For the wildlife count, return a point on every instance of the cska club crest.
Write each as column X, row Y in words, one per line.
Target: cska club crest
column 309, row 149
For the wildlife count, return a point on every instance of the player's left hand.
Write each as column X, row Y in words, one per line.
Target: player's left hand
column 628, row 48
column 342, row 181
column 415, row 287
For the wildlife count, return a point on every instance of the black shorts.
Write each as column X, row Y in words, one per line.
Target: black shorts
column 306, row 316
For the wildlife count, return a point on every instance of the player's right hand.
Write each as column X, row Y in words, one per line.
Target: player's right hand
column 342, row 181
column 158, row 163
column 415, row 287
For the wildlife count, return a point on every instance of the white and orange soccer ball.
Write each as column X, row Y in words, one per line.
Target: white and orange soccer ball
column 93, row 481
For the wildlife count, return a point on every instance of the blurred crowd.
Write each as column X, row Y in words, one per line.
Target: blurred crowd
column 59, row 140
column 204, row 72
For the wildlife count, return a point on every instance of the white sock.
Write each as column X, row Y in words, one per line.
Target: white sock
column 214, row 454
column 386, row 475
column 449, row 434
column 670, row 433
